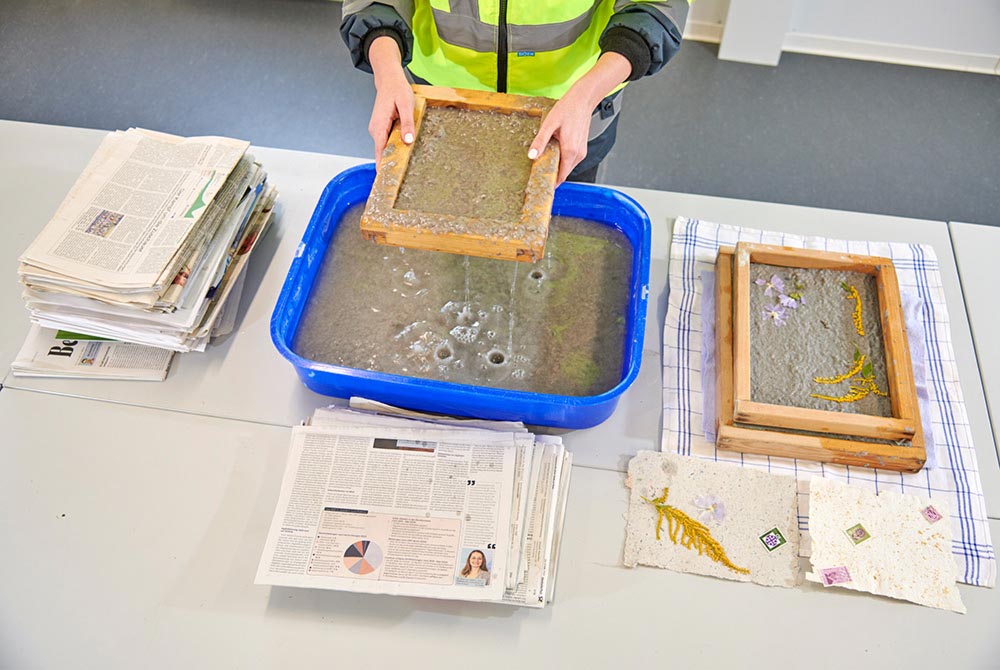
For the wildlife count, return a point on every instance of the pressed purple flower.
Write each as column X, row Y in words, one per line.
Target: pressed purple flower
column 775, row 313
column 775, row 284
column 788, row 301
column 710, row 508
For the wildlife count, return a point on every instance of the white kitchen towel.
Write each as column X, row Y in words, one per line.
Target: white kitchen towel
column 693, row 250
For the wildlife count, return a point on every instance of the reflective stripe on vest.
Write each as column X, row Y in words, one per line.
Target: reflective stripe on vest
column 467, row 30
column 551, row 43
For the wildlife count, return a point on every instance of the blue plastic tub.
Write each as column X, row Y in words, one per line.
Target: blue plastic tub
column 577, row 200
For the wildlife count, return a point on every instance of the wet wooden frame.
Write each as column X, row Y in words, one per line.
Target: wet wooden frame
column 734, row 434
column 384, row 223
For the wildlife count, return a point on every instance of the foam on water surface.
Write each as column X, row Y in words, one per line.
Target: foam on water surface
column 556, row 326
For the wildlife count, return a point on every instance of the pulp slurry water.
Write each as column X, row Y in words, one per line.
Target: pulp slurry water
column 556, row 326
column 790, row 346
column 455, row 144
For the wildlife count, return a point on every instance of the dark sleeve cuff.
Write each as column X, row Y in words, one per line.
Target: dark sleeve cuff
column 359, row 29
column 370, row 36
column 628, row 43
column 656, row 29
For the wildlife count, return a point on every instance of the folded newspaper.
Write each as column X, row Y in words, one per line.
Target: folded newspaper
column 151, row 240
column 58, row 353
column 407, row 506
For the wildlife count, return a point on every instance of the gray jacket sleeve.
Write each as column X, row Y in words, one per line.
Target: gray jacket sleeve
column 648, row 34
column 365, row 20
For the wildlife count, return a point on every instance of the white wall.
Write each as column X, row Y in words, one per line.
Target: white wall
column 970, row 26
column 705, row 20
column 954, row 34
column 950, row 34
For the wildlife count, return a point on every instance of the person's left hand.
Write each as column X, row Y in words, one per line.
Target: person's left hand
column 569, row 122
column 569, row 119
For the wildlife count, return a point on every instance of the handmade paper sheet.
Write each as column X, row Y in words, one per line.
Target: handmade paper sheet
column 889, row 544
column 712, row 519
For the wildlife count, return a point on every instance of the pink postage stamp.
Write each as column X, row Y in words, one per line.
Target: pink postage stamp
column 931, row 514
column 838, row 575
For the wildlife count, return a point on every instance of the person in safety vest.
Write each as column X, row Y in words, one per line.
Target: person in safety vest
column 581, row 52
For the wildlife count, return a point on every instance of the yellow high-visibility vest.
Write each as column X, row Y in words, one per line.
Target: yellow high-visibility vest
column 538, row 47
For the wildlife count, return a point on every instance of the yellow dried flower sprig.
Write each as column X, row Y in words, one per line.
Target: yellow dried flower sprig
column 693, row 535
column 861, row 387
column 852, row 294
column 859, row 363
column 854, row 393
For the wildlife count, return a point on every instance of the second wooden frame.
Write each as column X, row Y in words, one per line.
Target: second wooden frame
column 777, row 442
column 903, row 423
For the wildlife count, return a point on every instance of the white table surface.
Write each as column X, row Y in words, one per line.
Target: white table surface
column 245, row 378
column 136, row 545
column 976, row 250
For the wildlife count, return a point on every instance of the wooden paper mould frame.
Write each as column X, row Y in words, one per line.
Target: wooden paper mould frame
column 751, row 427
column 408, row 228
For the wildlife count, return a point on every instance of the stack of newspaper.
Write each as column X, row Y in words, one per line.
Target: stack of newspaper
column 151, row 242
column 455, row 509
column 59, row 353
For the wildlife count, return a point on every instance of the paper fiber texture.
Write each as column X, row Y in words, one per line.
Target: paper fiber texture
column 888, row 544
column 752, row 516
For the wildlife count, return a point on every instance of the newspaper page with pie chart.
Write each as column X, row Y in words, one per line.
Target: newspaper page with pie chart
column 418, row 511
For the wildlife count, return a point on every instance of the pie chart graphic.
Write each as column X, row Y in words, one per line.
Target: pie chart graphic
column 363, row 557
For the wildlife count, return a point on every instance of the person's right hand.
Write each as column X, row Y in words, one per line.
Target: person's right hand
column 393, row 95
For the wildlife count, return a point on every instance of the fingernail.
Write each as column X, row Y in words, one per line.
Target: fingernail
column 408, row 138
column 533, row 154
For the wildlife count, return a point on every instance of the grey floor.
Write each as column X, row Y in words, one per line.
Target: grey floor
column 814, row 131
